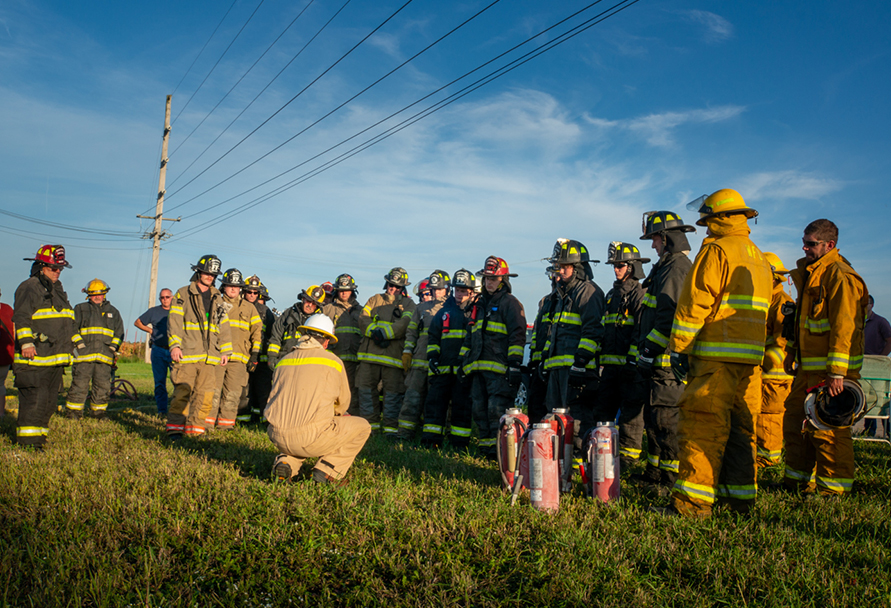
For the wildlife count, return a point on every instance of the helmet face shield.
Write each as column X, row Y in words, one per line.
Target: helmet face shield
column 697, row 205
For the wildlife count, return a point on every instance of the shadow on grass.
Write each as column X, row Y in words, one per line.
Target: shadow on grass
column 252, row 453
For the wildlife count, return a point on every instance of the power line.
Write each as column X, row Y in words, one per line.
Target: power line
column 376, row 82
column 47, row 237
column 253, row 65
column 328, row 69
column 69, row 227
column 572, row 32
column 218, row 61
column 262, row 91
column 204, row 47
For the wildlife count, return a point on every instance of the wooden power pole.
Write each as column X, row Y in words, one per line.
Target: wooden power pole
column 158, row 233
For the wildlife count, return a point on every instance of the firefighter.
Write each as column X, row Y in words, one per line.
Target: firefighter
column 44, row 325
column 574, row 337
column 245, row 328
column 260, row 378
column 667, row 232
column 827, row 348
column 775, row 382
column 284, row 332
column 717, row 344
column 307, row 408
column 345, row 311
column 622, row 390
column 538, row 376
column 447, row 384
column 99, row 331
column 383, row 322
column 414, row 353
column 494, row 351
column 198, row 334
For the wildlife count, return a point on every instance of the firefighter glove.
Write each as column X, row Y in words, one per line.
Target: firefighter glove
column 631, row 359
column 680, row 365
column 271, row 362
column 645, row 363
column 252, row 362
column 514, row 376
column 377, row 336
column 406, row 361
column 433, row 366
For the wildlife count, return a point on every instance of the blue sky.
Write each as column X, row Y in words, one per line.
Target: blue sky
column 784, row 101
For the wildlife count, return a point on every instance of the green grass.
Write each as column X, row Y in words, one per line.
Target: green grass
column 111, row 515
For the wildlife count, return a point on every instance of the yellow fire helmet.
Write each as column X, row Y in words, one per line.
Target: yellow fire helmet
column 726, row 201
column 776, row 264
column 96, row 287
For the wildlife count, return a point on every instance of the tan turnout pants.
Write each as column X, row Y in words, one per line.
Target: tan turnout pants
column 334, row 442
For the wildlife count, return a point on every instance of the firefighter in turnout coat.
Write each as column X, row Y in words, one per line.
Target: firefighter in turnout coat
column 44, row 325
column 198, row 333
column 254, row 400
column 383, row 323
column 720, row 325
column 576, row 330
column 345, row 311
column 447, row 384
column 98, row 336
column 663, row 289
column 622, row 390
column 827, row 347
column 414, row 354
column 775, row 382
column 245, row 328
column 494, row 351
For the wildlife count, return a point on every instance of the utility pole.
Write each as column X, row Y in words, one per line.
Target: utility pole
column 158, row 233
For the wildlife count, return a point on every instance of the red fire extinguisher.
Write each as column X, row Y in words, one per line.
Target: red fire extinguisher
column 564, row 426
column 511, row 428
column 543, row 448
column 602, row 462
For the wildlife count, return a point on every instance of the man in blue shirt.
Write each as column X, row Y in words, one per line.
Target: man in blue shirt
column 154, row 320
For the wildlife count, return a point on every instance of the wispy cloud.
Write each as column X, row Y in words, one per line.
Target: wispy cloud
column 658, row 129
column 717, row 29
column 788, row 184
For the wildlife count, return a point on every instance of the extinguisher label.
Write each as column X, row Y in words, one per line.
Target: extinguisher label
column 536, row 471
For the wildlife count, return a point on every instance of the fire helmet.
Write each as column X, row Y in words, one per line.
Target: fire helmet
column 827, row 413
column 398, row 277
column 345, row 282
column 569, row 251
column 233, row 278
column 623, row 253
column 328, row 286
column 464, row 278
column 440, row 280
column 726, row 202
column 264, row 293
column 314, row 294
column 776, row 264
column 208, row 264
column 495, row 267
column 252, row 283
column 422, row 286
column 319, row 324
column 96, row 287
column 50, row 255
column 655, row 222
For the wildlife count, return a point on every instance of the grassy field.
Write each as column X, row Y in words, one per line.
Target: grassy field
column 111, row 515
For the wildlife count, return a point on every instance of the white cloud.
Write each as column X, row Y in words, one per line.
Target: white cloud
column 658, row 129
column 787, row 184
column 717, row 29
